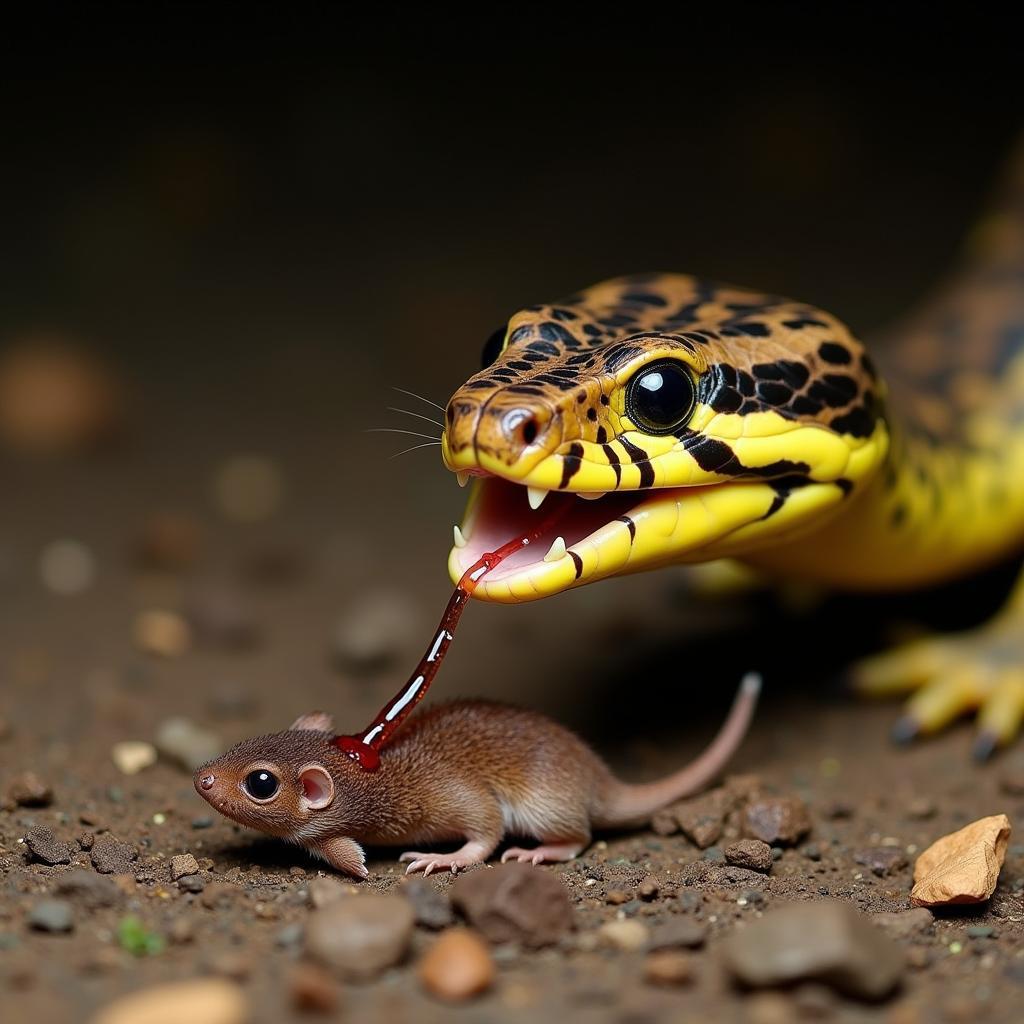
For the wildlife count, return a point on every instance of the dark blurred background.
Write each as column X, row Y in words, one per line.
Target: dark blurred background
column 262, row 225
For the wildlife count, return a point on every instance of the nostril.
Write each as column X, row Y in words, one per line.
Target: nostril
column 520, row 426
column 207, row 781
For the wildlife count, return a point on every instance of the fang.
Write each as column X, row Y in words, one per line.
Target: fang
column 557, row 550
column 460, row 540
column 463, row 479
column 535, row 495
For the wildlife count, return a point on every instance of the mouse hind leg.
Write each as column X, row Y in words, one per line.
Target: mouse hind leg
column 474, row 815
column 562, row 836
column 549, row 852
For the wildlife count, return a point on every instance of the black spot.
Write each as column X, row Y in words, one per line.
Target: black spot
column 641, row 460
column 745, row 383
column 799, row 325
column 547, row 347
column 479, row 385
column 753, row 329
column 604, row 399
column 524, row 389
column 644, row 299
column 768, row 371
column 592, row 330
column 794, row 374
column 772, row 393
column 834, row 390
column 898, row 514
column 564, row 314
column 846, row 486
column 726, row 400
column 858, row 422
column 516, row 364
column 631, row 526
column 602, row 435
column 592, row 415
column 571, row 463
column 832, row 352
column 520, row 334
column 578, row 562
column 550, row 331
column 804, row 406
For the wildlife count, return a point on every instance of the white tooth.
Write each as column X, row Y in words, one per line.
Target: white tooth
column 463, row 479
column 535, row 495
column 460, row 540
column 556, row 551
column 591, row 495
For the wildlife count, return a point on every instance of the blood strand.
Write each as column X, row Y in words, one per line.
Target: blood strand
column 363, row 747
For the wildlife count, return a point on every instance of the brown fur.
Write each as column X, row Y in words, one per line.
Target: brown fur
column 470, row 770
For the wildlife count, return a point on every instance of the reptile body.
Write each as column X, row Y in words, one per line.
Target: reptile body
column 707, row 421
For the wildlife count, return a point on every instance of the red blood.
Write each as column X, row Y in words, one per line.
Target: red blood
column 363, row 747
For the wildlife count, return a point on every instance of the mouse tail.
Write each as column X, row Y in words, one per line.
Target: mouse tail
column 625, row 804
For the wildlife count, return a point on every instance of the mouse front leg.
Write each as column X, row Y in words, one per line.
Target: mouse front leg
column 342, row 853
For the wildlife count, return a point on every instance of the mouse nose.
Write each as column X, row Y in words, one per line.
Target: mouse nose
column 207, row 781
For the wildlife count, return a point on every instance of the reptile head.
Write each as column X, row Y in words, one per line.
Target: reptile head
column 658, row 419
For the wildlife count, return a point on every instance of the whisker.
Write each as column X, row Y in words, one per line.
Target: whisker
column 412, row 394
column 416, row 447
column 419, row 416
column 397, row 430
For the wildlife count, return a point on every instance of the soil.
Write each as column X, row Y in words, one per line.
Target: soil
column 643, row 668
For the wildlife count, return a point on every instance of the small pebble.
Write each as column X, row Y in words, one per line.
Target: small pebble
column 714, row 855
column 457, row 967
column 677, row 933
column 182, row 741
column 181, row 930
column 433, row 908
column 109, row 856
column 67, row 567
column 183, row 864
column 207, row 1001
column 921, row 808
column 52, row 916
column 201, row 823
column 132, row 756
column 616, row 897
column 324, row 891
column 649, row 889
column 88, row 889
column 162, row 633
column 312, row 990
column 778, row 821
column 629, row 936
column 29, row 790
column 361, row 936
column 192, row 883
column 750, row 853
column 703, row 818
column 881, row 860
column 44, row 846
column 668, row 968
column 514, row 903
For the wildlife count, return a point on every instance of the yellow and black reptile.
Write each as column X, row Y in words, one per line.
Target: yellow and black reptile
column 706, row 421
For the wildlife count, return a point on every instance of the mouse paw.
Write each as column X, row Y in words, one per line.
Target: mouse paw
column 551, row 853
column 466, row 856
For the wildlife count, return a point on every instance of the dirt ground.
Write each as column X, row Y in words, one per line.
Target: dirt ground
column 644, row 668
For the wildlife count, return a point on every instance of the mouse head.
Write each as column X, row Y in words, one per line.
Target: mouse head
column 277, row 783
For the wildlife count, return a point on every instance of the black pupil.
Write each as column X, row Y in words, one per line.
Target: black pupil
column 660, row 397
column 261, row 784
column 492, row 348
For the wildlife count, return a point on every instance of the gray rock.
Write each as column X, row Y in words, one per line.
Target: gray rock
column 52, row 916
column 29, row 790
column 44, row 846
column 433, row 908
column 514, row 903
column 678, row 933
column 89, row 889
column 109, row 856
column 702, row 873
column 323, row 891
column 905, row 923
column 192, row 883
column 182, row 741
column 362, row 935
column 826, row 941
column 778, row 821
column 881, row 860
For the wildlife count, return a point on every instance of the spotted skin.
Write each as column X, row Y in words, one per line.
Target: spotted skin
column 801, row 455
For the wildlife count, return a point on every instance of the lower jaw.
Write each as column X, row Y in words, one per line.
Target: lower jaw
column 624, row 532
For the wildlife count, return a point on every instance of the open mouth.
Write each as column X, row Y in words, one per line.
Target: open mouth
column 583, row 539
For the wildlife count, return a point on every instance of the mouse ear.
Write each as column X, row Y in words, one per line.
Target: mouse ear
column 317, row 787
column 314, row 721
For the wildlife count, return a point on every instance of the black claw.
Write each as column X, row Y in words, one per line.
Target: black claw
column 904, row 730
column 985, row 745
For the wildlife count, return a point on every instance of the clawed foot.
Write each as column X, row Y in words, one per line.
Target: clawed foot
column 467, row 856
column 553, row 853
column 981, row 670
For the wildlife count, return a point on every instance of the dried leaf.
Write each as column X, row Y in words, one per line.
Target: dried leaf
column 962, row 867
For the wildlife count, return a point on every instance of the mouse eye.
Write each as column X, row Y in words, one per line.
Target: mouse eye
column 660, row 397
column 492, row 347
column 261, row 784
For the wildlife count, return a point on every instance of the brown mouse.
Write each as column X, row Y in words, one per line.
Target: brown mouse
column 467, row 771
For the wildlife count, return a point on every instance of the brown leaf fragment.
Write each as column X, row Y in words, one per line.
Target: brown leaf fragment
column 962, row 867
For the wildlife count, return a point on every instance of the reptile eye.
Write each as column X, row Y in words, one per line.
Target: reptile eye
column 261, row 784
column 660, row 397
column 492, row 347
